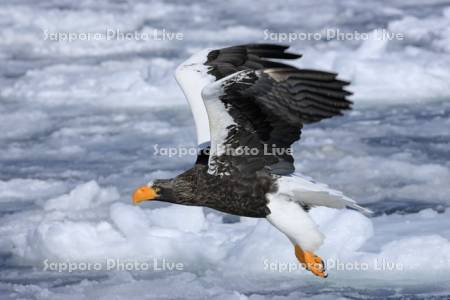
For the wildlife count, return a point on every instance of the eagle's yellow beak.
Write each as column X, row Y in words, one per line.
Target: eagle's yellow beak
column 144, row 193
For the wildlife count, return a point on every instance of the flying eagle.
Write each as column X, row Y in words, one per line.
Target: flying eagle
column 248, row 110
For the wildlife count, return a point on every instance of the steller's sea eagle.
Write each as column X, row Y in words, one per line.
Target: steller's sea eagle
column 248, row 110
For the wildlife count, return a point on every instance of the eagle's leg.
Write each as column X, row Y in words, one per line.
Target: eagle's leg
column 311, row 262
column 290, row 218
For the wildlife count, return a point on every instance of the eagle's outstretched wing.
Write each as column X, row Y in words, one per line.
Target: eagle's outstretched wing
column 241, row 98
column 226, row 61
column 255, row 115
column 210, row 65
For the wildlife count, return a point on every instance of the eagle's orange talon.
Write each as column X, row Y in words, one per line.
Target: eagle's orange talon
column 311, row 262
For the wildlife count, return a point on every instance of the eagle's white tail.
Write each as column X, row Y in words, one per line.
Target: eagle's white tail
column 307, row 192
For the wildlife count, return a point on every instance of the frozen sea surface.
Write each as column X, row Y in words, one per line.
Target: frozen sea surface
column 79, row 121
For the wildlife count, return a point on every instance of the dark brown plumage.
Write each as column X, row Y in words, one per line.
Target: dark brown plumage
column 243, row 196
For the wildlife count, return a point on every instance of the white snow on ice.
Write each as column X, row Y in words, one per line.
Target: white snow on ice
column 79, row 121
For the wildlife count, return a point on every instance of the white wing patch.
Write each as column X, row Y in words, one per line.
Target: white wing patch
column 192, row 77
column 220, row 120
